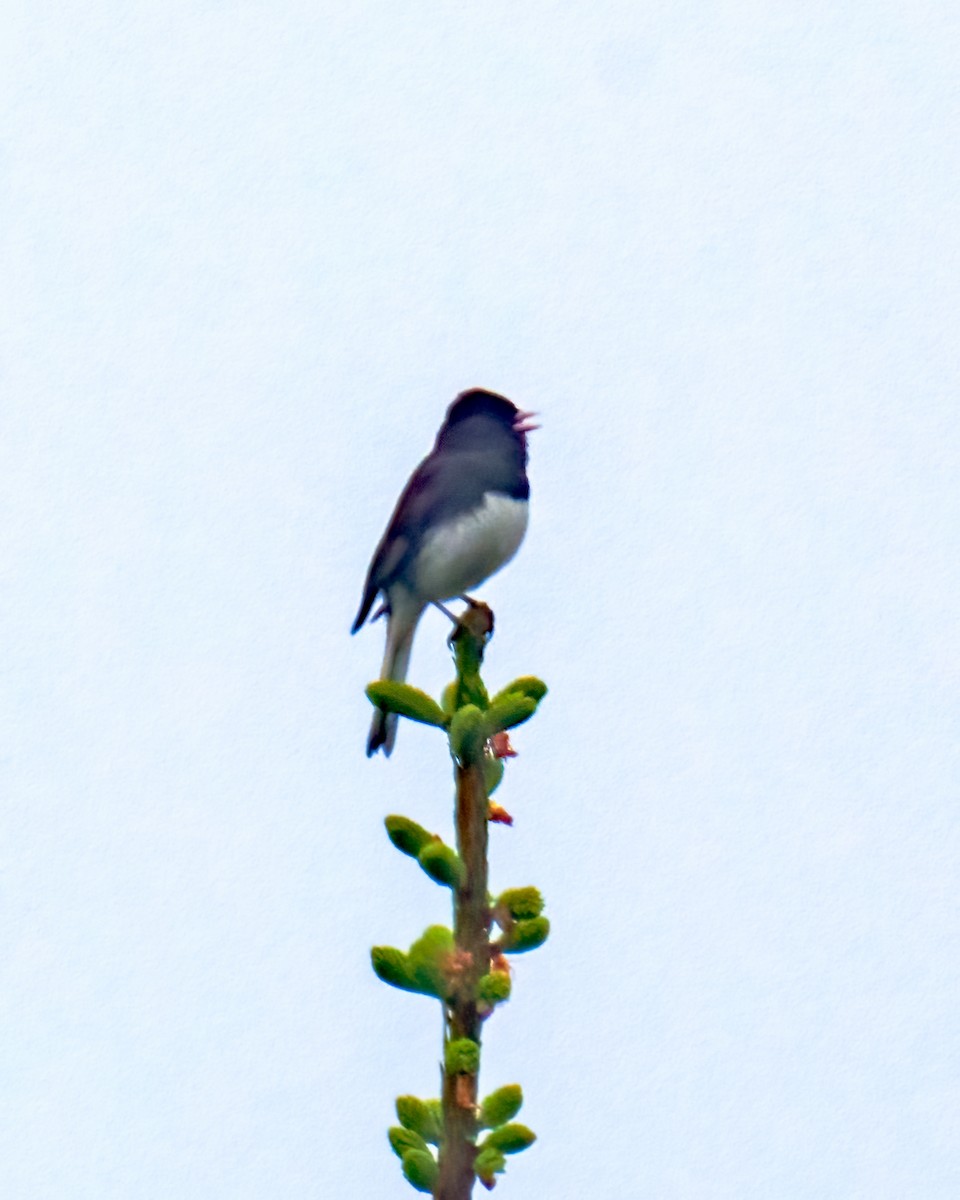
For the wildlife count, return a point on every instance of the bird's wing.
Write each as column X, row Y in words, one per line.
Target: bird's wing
column 401, row 539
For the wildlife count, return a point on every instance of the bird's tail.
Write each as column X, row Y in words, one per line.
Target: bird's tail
column 401, row 626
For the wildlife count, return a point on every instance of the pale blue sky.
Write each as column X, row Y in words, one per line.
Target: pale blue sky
column 249, row 254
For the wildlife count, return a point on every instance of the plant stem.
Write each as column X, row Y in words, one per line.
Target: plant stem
column 471, row 925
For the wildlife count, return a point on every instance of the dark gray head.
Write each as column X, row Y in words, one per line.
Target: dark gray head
column 478, row 418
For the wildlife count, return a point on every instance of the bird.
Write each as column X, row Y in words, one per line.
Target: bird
column 460, row 518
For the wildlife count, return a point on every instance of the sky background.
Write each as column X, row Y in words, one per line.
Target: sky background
column 250, row 252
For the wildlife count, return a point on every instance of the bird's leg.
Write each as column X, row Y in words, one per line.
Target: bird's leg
column 446, row 611
column 470, row 600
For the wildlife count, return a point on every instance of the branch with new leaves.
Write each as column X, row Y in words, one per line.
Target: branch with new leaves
column 446, row 1144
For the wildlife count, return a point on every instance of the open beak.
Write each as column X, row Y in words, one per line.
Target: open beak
column 523, row 422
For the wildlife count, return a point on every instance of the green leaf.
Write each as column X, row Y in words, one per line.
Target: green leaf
column 506, row 713
column 521, row 902
column 442, row 864
column 408, row 837
column 526, row 685
column 461, row 1057
column 428, row 958
column 501, row 1106
column 435, row 1132
column 475, row 691
column 407, row 701
column 467, row 734
column 492, row 772
column 419, row 1118
column 421, row 1170
column 402, row 1140
column 510, row 1139
column 524, row 936
column 423, row 968
column 494, row 987
column 488, row 1163
column 390, row 965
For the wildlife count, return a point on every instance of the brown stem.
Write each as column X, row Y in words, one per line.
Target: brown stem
column 471, row 927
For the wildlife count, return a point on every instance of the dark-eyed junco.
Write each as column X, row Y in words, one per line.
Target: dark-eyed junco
column 461, row 516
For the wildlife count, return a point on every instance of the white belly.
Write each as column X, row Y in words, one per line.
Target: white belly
column 463, row 553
